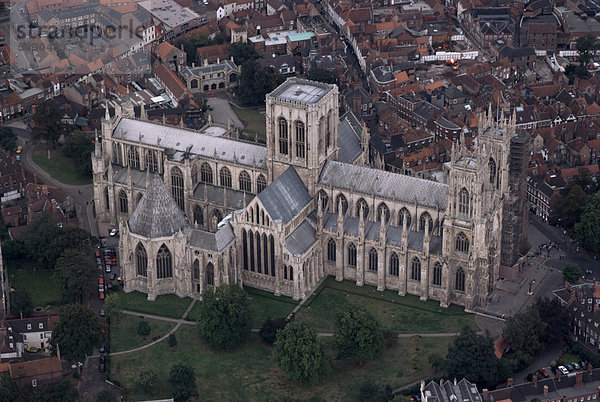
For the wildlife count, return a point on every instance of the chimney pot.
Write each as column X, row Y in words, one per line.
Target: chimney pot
column 510, row 382
column 545, row 390
column 579, row 379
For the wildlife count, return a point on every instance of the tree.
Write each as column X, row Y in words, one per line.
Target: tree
column 48, row 125
column 11, row 391
column 105, row 396
column 414, row 361
column 357, row 334
column 75, row 270
column 63, row 392
column 268, row 332
column 588, row 228
column 224, row 318
column 183, row 382
column 76, row 332
column 21, row 302
column 256, row 82
column 586, row 47
column 322, row 75
column 8, row 139
column 13, row 249
column 472, row 356
column 416, row 341
column 79, row 147
column 570, row 207
column 371, row 392
column 144, row 381
column 242, row 52
column 300, row 353
column 572, row 273
column 556, row 319
column 113, row 305
column 524, row 332
column 143, row 328
column 172, row 340
column 40, row 233
column 436, row 361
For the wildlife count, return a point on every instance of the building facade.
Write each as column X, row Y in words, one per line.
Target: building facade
column 200, row 208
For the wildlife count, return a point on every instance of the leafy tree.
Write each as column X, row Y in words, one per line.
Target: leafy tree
column 105, row 396
column 189, row 48
column 183, row 382
column 436, row 361
column 13, row 249
column 143, row 328
column 8, row 139
column 524, row 332
column 472, row 356
column 144, row 381
column 371, row 392
column 358, row 334
column 242, row 52
column 575, row 70
column 572, row 273
column 77, row 332
column 224, row 318
column 21, row 302
column 268, row 332
column 113, row 305
column 63, row 392
column 75, row 271
column 300, row 353
column 48, row 125
column 79, row 147
column 322, row 75
column 570, row 207
column 41, row 231
column 416, row 341
column 588, row 228
column 556, row 319
column 256, row 82
column 11, row 391
column 586, row 46
column 172, row 340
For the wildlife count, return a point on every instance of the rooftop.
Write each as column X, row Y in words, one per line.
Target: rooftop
column 301, row 90
column 169, row 12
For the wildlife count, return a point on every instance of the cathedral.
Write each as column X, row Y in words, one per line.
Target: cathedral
column 198, row 208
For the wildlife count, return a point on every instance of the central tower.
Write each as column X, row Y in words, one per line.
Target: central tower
column 302, row 128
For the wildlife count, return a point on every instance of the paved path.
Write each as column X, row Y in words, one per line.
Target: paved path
column 158, row 317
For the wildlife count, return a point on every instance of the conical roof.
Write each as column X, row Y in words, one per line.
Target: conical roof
column 157, row 214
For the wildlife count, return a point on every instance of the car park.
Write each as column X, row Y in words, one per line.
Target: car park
column 563, row 370
column 543, row 373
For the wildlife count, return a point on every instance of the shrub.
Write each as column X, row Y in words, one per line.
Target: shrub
column 371, row 392
column 143, row 328
column 268, row 332
column 172, row 340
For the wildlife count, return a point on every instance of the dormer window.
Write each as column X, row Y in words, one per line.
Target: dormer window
column 29, row 326
column 41, row 325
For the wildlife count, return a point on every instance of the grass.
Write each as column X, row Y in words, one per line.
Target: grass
column 249, row 374
column 41, row 285
column 64, row 169
column 165, row 305
column 568, row 358
column 254, row 120
column 404, row 314
column 123, row 332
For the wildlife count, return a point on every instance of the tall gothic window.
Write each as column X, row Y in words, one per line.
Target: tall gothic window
column 283, row 136
column 394, row 265
column 492, row 167
column 117, row 154
column 383, row 209
column 362, row 203
column 196, row 270
column 352, row 255
column 261, row 183
column 245, row 248
column 425, row 220
column 331, row 250
column 341, row 199
column 210, row 274
column 164, row 263
column 194, row 175
column 152, row 160
column 328, row 131
column 245, row 183
column 459, row 284
column 322, row 123
column 258, row 256
column 106, row 199
column 225, row 177
column 415, row 271
column 463, row 203
column 177, row 187
column 272, row 252
column 373, row 260
column 437, row 274
column 133, row 158
column 300, row 140
column 462, row 243
column 198, row 216
column 123, row 206
column 141, row 260
column 404, row 214
column 206, row 174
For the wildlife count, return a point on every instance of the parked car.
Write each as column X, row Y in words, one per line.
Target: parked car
column 584, row 365
column 576, row 366
column 100, row 267
column 102, row 348
column 569, row 367
column 99, row 261
column 101, row 288
column 114, row 233
column 97, row 253
column 108, row 269
column 109, row 285
column 563, row 370
column 102, row 367
column 101, row 295
column 101, row 280
column 543, row 373
column 31, row 349
column 102, row 313
column 112, row 277
column 102, row 358
column 101, row 274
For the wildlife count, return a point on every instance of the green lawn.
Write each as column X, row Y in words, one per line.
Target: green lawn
column 249, row 374
column 568, row 358
column 62, row 168
column 404, row 314
column 40, row 284
column 123, row 332
column 254, row 120
column 165, row 305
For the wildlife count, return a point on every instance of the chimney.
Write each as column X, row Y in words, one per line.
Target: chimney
column 510, row 382
column 578, row 379
column 545, row 391
column 485, row 395
column 558, row 374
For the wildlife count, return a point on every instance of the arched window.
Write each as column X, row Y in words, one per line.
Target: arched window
column 265, row 248
column 459, row 284
column 196, row 270
column 283, row 136
column 210, row 274
column 133, row 158
column 177, row 187
column 194, row 84
column 245, row 248
column 141, row 260
column 123, row 206
column 258, row 256
column 198, row 216
column 328, row 131
column 106, row 199
column 194, row 175
column 437, row 274
column 463, row 203
column 225, row 177
column 272, row 253
column 352, row 255
column 394, row 265
column 424, row 220
column 462, row 243
column 300, row 140
column 251, row 244
column 164, row 263
column 492, row 167
column 341, row 199
column 322, row 128
column 415, row 271
column 245, row 183
column 373, row 260
column 152, row 160
column 324, row 199
column 383, row 209
column 217, row 215
column 261, row 183
column 331, row 250
column 117, row 154
column 362, row 203
column 206, row 175
column 404, row 214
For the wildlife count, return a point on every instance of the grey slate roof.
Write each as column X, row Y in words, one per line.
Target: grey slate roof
column 301, row 90
column 138, row 177
column 384, row 184
column 349, row 131
column 211, row 241
column 157, row 214
column 285, row 197
column 301, row 239
column 217, row 195
column 462, row 391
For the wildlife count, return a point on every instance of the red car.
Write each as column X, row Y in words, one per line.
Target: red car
column 543, row 373
column 101, row 295
column 97, row 253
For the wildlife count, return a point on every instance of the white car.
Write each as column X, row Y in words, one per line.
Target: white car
column 113, row 232
column 108, row 268
column 563, row 370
